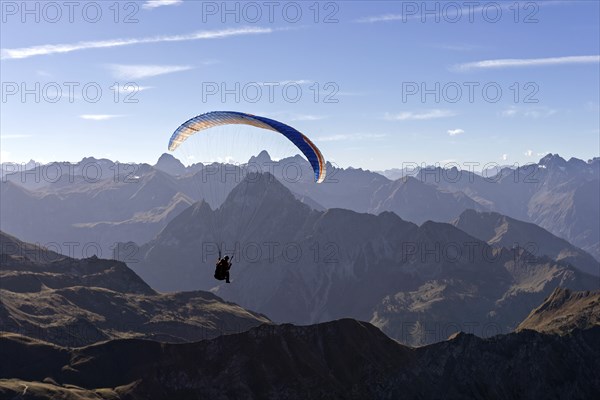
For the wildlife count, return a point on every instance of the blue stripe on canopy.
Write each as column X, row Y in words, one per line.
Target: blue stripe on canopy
column 217, row 118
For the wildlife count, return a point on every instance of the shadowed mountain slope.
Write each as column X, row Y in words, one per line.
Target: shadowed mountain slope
column 299, row 265
column 78, row 302
column 340, row 359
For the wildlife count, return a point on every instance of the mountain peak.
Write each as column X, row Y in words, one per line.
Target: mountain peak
column 552, row 160
column 169, row 164
column 254, row 189
column 262, row 157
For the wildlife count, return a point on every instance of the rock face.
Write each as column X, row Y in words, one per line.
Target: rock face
column 74, row 302
column 564, row 311
column 340, row 359
column 295, row 264
column 502, row 231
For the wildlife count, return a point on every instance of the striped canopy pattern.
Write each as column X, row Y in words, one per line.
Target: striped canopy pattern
column 218, row 118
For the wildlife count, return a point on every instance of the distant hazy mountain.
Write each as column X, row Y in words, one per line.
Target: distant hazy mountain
column 418, row 202
column 169, row 164
column 296, row 264
column 133, row 205
column 13, row 167
column 397, row 173
column 560, row 196
column 73, row 302
column 564, row 311
column 502, row 231
column 344, row 359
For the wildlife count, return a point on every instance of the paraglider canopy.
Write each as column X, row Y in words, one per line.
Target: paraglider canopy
column 217, row 118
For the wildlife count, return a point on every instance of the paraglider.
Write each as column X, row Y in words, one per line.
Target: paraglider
column 218, row 118
column 222, row 268
column 213, row 119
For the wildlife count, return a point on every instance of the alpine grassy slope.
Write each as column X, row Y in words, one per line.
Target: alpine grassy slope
column 77, row 302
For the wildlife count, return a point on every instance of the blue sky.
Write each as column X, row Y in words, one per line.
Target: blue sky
column 371, row 58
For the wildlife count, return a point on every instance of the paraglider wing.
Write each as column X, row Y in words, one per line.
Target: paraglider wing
column 217, row 118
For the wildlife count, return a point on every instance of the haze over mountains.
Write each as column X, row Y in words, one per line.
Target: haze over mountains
column 296, row 264
column 103, row 202
column 297, row 259
column 502, row 231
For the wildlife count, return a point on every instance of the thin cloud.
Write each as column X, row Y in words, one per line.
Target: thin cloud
column 419, row 116
column 126, row 89
column 527, row 62
column 528, row 153
column 286, row 82
column 454, row 132
column 46, row 49
column 447, row 15
column 419, row 15
column 133, row 72
column 307, row 117
column 382, row 18
column 152, row 4
column 535, row 113
column 352, row 136
column 15, row 136
column 99, row 117
column 343, row 93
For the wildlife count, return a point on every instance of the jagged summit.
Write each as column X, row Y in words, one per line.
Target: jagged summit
column 254, row 188
column 552, row 160
column 261, row 158
column 169, row 164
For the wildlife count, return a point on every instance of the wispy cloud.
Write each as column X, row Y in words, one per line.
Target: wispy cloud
column 99, row 117
column 46, row 49
column 411, row 14
column 351, row 136
column 15, row 136
column 504, row 157
column 527, row 62
column 291, row 116
column 344, row 93
column 528, row 153
column 133, row 72
column 126, row 89
column 533, row 112
column 152, row 4
column 454, row 132
column 382, row 18
column 307, row 117
column 420, row 115
column 285, row 82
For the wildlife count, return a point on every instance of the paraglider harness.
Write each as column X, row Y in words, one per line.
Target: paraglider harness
column 222, row 268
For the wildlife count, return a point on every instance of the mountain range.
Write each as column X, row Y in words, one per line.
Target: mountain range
column 340, row 359
column 101, row 202
column 300, row 265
